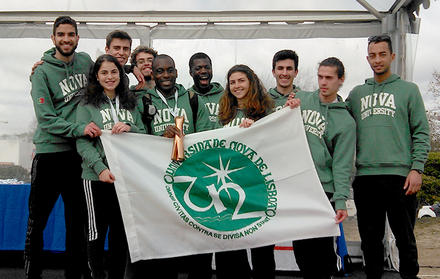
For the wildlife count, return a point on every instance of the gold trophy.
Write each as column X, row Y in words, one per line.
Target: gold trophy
column 178, row 151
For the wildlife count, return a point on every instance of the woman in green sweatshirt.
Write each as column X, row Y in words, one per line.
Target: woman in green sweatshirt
column 244, row 101
column 110, row 105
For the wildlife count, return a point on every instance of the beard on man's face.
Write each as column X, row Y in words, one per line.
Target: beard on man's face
column 66, row 53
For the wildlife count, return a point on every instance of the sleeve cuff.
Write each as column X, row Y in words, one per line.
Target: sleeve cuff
column 99, row 167
column 80, row 130
column 340, row 204
column 418, row 166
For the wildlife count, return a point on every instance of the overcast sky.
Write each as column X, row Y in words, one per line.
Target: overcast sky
column 18, row 55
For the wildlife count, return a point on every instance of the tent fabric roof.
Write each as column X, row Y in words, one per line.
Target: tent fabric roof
column 360, row 18
column 194, row 5
column 314, row 19
column 254, row 11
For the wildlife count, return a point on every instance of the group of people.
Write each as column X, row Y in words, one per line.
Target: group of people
column 381, row 128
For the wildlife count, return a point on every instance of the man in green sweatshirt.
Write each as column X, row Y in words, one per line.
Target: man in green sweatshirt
column 284, row 70
column 331, row 135
column 208, row 93
column 142, row 57
column 56, row 167
column 205, row 96
column 392, row 148
column 118, row 45
column 170, row 100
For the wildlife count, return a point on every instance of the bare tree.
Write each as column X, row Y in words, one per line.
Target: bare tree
column 434, row 88
column 434, row 127
column 434, row 113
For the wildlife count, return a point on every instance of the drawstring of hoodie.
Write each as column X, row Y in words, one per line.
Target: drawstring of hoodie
column 66, row 69
column 326, row 121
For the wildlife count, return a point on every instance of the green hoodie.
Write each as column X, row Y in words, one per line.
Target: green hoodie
column 331, row 135
column 239, row 117
column 280, row 99
column 208, row 104
column 91, row 149
column 139, row 93
column 392, row 128
column 163, row 116
column 56, row 87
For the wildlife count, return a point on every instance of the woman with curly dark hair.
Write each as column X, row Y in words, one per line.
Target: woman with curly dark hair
column 109, row 104
column 244, row 101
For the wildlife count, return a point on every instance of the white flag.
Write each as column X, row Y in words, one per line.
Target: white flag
column 237, row 188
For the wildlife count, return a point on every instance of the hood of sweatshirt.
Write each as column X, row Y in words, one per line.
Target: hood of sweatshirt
column 392, row 78
column 273, row 92
column 380, row 86
column 216, row 88
column 313, row 98
column 49, row 57
column 180, row 91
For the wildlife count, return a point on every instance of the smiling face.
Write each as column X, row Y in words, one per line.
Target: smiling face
column 380, row 58
column 164, row 74
column 108, row 77
column 120, row 49
column 201, row 72
column 239, row 85
column 65, row 40
column 329, row 83
column 144, row 61
column 284, row 73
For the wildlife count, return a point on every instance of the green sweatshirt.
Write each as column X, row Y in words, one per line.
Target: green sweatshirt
column 56, row 87
column 208, row 104
column 163, row 116
column 331, row 135
column 392, row 128
column 91, row 149
column 239, row 117
column 139, row 93
column 280, row 99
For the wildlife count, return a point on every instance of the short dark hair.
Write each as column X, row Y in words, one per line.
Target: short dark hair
column 198, row 55
column 334, row 62
column 117, row 34
column 381, row 38
column 162, row 56
column 140, row 49
column 283, row 55
column 64, row 20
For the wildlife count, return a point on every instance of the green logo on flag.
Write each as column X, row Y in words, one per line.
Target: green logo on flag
column 222, row 187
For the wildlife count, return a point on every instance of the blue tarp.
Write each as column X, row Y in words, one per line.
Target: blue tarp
column 14, row 215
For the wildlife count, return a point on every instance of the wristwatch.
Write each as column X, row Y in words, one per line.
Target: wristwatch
column 419, row 171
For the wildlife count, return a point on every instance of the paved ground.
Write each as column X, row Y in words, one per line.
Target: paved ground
column 11, row 268
column 17, row 273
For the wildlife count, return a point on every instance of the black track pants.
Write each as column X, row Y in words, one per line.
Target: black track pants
column 55, row 174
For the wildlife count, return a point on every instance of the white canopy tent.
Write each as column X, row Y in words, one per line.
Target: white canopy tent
column 397, row 19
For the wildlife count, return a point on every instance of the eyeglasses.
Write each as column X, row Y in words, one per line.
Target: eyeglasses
column 379, row 38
